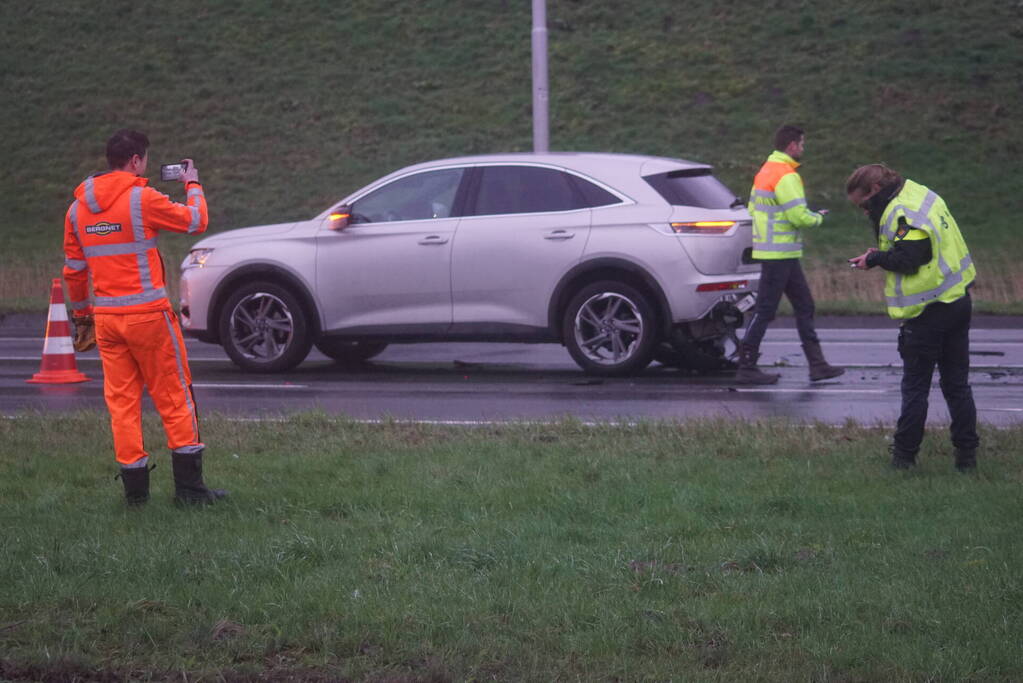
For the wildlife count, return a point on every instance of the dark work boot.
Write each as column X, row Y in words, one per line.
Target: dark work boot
column 966, row 460
column 136, row 484
column 900, row 460
column 188, row 484
column 819, row 368
column 748, row 372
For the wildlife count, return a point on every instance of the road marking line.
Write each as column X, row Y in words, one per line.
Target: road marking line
column 973, row 345
column 768, row 341
column 895, row 365
column 810, row 389
column 450, row 423
column 241, row 385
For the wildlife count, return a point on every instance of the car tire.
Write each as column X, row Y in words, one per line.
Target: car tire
column 264, row 328
column 346, row 351
column 610, row 329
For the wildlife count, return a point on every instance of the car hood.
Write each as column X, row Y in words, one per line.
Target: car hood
column 244, row 234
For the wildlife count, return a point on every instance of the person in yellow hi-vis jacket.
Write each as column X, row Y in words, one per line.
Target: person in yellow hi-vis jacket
column 778, row 207
column 928, row 276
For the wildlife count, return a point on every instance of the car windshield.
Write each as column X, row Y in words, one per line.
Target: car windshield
column 692, row 187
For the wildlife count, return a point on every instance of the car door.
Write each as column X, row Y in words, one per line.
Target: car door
column 525, row 226
column 389, row 270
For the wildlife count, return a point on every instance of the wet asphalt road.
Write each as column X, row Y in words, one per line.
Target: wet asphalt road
column 498, row 382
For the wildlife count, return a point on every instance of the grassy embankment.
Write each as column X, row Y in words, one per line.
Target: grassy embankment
column 699, row 551
column 286, row 107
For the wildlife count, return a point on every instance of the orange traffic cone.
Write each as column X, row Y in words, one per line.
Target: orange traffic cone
column 58, row 366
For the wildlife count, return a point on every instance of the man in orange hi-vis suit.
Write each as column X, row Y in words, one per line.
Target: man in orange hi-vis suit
column 110, row 233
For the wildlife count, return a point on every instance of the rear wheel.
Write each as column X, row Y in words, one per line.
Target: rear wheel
column 610, row 329
column 264, row 328
column 345, row 351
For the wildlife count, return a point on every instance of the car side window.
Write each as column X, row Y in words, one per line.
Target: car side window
column 525, row 189
column 594, row 195
column 421, row 196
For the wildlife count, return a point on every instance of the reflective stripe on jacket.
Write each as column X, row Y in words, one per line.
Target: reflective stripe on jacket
column 945, row 277
column 778, row 207
column 110, row 232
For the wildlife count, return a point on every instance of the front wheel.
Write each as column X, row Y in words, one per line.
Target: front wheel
column 264, row 328
column 610, row 329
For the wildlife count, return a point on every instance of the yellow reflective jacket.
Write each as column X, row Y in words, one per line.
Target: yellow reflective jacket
column 945, row 277
column 778, row 207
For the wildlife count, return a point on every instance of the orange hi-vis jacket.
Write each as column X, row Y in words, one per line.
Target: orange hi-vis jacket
column 110, row 232
column 779, row 211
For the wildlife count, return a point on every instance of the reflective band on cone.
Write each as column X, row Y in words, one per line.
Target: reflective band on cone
column 58, row 366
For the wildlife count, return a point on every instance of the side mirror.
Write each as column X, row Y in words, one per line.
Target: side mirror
column 340, row 217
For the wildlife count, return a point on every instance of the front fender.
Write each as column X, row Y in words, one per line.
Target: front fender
column 272, row 272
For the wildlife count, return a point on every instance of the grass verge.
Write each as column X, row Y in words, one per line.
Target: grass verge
column 705, row 550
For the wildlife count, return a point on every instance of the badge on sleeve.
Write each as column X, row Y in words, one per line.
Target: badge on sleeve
column 903, row 229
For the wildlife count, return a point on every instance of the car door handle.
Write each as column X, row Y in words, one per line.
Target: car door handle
column 559, row 235
column 434, row 239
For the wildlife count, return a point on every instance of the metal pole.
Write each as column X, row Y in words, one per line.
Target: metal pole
column 541, row 135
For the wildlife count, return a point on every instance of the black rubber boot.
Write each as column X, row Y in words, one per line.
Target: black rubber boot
column 748, row 372
column 966, row 460
column 819, row 368
column 902, row 461
column 136, row 484
column 189, row 487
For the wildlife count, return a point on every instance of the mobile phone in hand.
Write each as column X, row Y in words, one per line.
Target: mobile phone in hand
column 173, row 171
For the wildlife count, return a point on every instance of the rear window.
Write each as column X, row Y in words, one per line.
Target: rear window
column 692, row 187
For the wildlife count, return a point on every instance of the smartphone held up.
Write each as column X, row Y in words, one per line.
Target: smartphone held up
column 173, row 171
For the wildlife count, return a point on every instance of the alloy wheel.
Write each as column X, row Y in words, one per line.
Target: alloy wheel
column 608, row 328
column 261, row 327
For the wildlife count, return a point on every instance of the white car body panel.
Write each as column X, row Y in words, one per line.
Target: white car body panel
column 198, row 285
column 378, row 273
column 505, row 267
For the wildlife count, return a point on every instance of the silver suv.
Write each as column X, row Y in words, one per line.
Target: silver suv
column 620, row 258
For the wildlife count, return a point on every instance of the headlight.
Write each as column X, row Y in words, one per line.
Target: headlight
column 196, row 258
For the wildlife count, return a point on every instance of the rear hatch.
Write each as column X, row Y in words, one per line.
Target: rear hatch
column 712, row 224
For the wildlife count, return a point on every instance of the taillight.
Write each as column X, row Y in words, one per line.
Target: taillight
column 702, row 227
column 722, row 286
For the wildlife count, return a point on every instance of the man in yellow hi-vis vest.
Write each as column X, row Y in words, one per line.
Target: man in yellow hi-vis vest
column 778, row 207
column 928, row 275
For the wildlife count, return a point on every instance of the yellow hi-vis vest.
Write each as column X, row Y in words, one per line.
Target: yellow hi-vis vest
column 945, row 277
column 778, row 206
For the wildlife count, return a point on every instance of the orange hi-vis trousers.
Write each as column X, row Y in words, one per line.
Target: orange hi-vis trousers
column 146, row 350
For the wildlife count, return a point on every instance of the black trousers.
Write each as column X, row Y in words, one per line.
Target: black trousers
column 938, row 336
column 781, row 276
